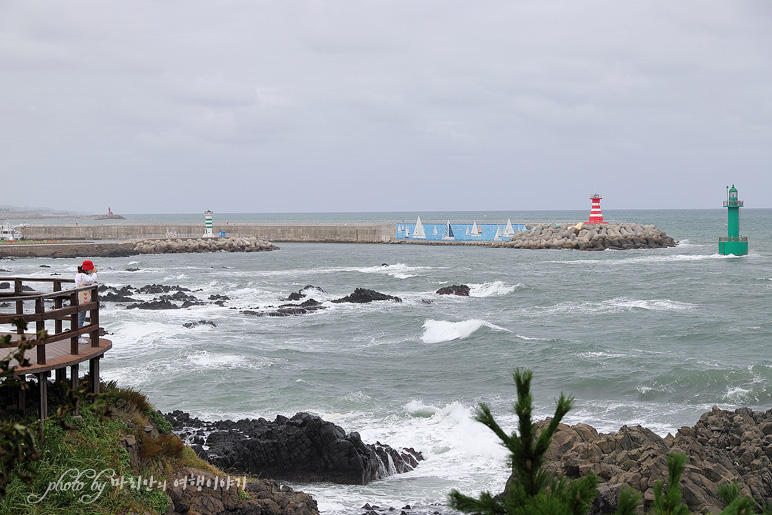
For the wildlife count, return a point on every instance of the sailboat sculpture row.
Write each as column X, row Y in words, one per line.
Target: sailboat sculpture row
column 474, row 231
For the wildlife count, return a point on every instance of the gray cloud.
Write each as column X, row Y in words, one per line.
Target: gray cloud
column 242, row 106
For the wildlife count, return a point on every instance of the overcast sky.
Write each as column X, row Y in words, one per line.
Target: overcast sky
column 179, row 106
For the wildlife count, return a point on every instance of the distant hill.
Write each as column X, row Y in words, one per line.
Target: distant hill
column 7, row 211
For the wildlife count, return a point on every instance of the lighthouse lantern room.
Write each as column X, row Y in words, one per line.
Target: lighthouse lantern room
column 596, row 217
column 733, row 243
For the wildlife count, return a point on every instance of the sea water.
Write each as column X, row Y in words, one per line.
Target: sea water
column 652, row 337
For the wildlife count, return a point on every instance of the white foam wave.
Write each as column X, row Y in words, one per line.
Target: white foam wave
column 620, row 305
column 398, row 270
column 532, row 339
column 206, row 360
column 492, row 289
column 438, row 331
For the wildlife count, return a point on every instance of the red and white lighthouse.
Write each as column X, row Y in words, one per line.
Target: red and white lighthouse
column 596, row 217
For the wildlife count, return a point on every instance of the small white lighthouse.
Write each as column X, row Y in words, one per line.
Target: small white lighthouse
column 208, row 225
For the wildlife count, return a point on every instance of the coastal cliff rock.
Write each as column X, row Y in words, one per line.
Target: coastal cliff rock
column 303, row 448
column 722, row 446
column 590, row 237
column 233, row 244
column 198, row 491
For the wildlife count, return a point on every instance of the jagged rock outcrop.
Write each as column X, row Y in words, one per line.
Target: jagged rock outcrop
column 590, row 237
column 462, row 290
column 197, row 491
column 722, row 446
column 176, row 245
column 363, row 295
column 303, row 448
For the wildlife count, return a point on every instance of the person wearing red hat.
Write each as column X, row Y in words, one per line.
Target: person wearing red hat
column 86, row 276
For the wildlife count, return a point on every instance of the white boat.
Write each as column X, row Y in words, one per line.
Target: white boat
column 8, row 232
column 418, row 230
column 476, row 231
column 509, row 231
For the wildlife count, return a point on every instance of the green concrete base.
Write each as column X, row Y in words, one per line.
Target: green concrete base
column 736, row 248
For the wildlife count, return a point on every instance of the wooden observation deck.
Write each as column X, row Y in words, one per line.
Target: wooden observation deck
column 54, row 348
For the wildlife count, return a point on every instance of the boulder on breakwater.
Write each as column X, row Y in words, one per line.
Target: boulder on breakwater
column 590, row 237
column 303, row 448
column 722, row 446
column 178, row 245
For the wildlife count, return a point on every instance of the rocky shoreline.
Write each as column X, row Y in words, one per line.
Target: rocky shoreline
column 303, row 449
column 722, row 446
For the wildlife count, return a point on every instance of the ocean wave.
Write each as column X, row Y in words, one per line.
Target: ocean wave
column 438, row 331
column 398, row 270
column 493, row 289
column 204, row 360
column 620, row 305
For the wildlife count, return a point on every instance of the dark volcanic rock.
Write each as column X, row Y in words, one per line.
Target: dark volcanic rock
column 132, row 269
column 190, row 325
column 198, row 491
column 110, row 294
column 303, row 448
column 303, row 292
column 723, row 446
column 284, row 310
column 362, row 295
column 155, row 304
column 155, row 289
column 460, row 290
column 5, row 285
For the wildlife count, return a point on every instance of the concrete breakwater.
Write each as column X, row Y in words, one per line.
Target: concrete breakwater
column 275, row 232
column 590, row 237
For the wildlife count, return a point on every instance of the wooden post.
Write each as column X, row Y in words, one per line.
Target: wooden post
column 58, row 305
column 74, row 384
column 95, row 317
column 40, row 325
column 19, row 303
column 22, row 395
column 74, row 324
column 94, row 371
column 43, row 388
column 61, row 375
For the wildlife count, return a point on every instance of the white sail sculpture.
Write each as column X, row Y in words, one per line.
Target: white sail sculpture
column 475, row 230
column 509, row 231
column 448, row 234
column 418, row 230
column 498, row 233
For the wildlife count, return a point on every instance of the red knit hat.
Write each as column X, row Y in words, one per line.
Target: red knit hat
column 87, row 265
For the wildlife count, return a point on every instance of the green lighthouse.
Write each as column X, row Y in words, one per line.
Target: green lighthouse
column 733, row 243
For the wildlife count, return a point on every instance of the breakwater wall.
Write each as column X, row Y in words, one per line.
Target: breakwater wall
column 591, row 237
column 318, row 233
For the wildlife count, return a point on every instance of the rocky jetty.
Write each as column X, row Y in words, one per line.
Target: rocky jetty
column 303, row 448
column 590, row 237
column 722, row 446
column 177, row 245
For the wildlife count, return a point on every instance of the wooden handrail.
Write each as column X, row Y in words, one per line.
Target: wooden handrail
column 58, row 314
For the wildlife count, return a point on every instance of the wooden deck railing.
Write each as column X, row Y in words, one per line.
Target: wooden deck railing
column 52, row 320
